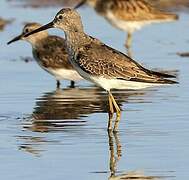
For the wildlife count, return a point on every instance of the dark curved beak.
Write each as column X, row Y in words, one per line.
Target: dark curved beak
column 43, row 28
column 80, row 4
column 17, row 38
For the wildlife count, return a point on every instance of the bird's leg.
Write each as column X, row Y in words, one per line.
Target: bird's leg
column 72, row 84
column 129, row 40
column 118, row 145
column 129, row 52
column 57, row 84
column 118, row 113
column 111, row 112
column 112, row 157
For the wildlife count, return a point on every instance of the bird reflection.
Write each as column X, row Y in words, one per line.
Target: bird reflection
column 115, row 155
column 54, row 111
column 64, row 110
column 32, row 145
column 114, row 158
column 129, row 15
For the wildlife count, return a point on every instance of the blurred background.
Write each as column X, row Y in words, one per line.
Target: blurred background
column 49, row 133
column 164, row 4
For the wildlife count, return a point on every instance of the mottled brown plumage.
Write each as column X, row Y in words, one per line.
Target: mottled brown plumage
column 132, row 10
column 109, row 63
column 100, row 64
column 52, row 54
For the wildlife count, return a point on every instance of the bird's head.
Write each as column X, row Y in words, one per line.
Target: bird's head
column 29, row 27
column 66, row 19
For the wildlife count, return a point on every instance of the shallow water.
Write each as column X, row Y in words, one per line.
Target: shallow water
column 61, row 134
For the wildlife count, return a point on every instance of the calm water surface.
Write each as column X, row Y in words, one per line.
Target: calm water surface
column 61, row 134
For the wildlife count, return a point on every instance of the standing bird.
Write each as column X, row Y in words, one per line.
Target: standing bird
column 129, row 15
column 50, row 53
column 101, row 64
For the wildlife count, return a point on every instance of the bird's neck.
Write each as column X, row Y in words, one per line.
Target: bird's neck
column 76, row 39
column 36, row 41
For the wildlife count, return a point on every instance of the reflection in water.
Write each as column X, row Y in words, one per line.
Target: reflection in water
column 31, row 144
column 63, row 109
column 115, row 157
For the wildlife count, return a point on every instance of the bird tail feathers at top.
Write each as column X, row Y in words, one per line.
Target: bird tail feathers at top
column 162, row 75
column 166, row 81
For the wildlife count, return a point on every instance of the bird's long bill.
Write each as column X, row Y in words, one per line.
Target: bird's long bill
column 80, row 4
column 43, row 28
column 17, row 38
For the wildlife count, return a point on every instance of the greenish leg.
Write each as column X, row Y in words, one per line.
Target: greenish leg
column 129, row 40
column 118, row 113
column 111, row 112
column 112, row 163
column 118, row 145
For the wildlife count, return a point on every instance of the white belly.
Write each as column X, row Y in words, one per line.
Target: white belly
column 129, row 26
column 64, row 74
column 109, row 84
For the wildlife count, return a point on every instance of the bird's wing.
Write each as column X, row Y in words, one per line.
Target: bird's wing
column 98, row 59
column 53, row 54
column 136, row 10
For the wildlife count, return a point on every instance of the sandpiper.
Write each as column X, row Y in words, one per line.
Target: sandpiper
column 50, row 53
column 101, row 64
column 129, row 15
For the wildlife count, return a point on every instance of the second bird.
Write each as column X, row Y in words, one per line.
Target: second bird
column 129, row 15
column 50, row 53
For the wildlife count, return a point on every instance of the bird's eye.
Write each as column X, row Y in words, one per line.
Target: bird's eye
column 60, row 17
column 26, row 30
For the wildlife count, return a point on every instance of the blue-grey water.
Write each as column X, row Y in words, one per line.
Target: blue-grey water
column 61, row 134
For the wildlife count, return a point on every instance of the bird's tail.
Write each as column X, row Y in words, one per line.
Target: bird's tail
column 166, row 81
column 162, row 75
column 167, row 16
